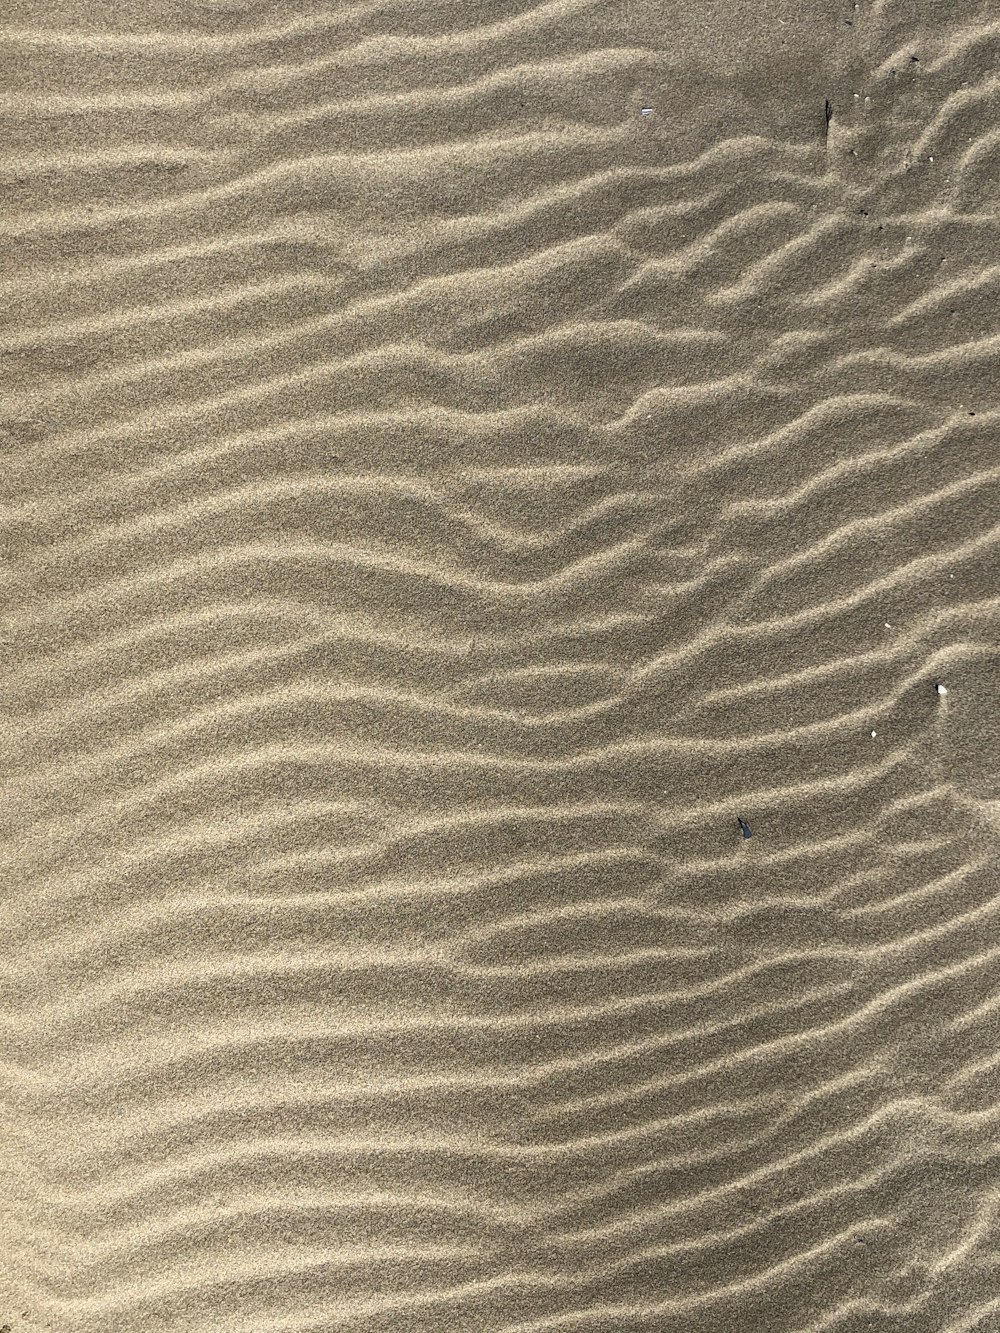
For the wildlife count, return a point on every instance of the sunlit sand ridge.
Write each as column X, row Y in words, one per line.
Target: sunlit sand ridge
column 458, row 461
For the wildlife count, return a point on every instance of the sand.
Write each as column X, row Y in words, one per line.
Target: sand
column 458, row 460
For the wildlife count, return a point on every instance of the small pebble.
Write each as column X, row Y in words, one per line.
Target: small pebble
column 941, row 689
column 874, row 734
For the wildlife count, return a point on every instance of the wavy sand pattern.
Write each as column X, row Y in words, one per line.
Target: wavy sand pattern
column 439, row 497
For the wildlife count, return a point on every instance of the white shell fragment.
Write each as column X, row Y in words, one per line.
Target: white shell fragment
column 941, row 689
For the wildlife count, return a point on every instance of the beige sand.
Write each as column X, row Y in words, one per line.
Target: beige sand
column 438, row 500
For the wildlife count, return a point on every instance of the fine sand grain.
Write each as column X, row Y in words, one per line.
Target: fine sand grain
column 458, row 459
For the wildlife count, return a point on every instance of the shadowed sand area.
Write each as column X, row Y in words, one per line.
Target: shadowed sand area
column 459, row 458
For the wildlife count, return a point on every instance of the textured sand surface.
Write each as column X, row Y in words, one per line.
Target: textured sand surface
column 457, row 458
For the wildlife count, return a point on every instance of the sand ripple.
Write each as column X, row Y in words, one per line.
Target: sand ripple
column 439, row 498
